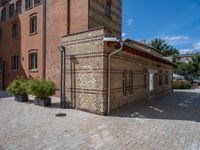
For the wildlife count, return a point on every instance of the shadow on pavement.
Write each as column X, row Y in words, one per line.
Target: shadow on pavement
column 4, row 94
column 180, row 105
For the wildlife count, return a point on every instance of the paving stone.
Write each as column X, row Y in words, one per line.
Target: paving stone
column 169, row 122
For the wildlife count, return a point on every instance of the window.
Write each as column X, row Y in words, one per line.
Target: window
column 33, row 24
column 108, row 8
column 14, row 30
column 28, row 4
column 124, row 83
column 1, row 64
column 15, row 62
column 160, row 78
column 166, row 78
column 145, row 81
column 36, row 2
column 131, row 82
column 11, row 10
column 1, row 34
column 33, row 61
column 3, row 14
column 19, row 7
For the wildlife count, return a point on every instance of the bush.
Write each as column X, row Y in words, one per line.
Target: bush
column 182, row 84
column 18, row 86
column 41, row 88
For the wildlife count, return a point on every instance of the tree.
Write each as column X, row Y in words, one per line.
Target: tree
column 167, row 49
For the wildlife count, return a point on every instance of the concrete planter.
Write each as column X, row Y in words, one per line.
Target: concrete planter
column 44, row 102
column 21, row 98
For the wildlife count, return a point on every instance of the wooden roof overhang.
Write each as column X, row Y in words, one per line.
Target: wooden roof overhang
column 139, row 51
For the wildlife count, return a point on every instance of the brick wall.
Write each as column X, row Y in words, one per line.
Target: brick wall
column 86, row 79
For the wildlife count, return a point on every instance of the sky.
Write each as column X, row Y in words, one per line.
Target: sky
column 175, row 21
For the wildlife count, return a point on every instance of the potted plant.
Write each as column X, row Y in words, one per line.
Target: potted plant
column 42, row 89
column 18, row 87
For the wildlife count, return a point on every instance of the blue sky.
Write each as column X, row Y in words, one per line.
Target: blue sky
column 176, row 21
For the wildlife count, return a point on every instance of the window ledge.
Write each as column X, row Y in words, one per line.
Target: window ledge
column 33, row 70
column 28, row 8
column 15, row 70
column 35, row 5
column 34, row 33
column 19, row 13
column 15, row 38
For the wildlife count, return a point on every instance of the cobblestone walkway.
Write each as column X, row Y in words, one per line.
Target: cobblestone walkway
column 170, row 123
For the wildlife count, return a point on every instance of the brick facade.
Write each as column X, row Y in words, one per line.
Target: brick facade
column 87, row 72
column 61, row 17
column 80, row 26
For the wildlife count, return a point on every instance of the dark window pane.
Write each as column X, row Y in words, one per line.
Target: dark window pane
column 11, row 10
column 3, row 14
column 14, row 30
column 33, row 61
column 108, row 8
column 19, row 7
column 1, row 34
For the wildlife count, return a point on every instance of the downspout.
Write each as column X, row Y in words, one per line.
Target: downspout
column 43, row 39
column 62, row 77
column 109, row 71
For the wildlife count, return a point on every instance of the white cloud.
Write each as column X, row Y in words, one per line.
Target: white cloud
column 130, row 22
column 196, row 46
column 175, row 38
column 123, row 34
column 185, row 51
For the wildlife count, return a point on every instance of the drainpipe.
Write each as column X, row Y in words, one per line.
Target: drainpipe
column 43, row 38
column 62, row 77
column 109, row 71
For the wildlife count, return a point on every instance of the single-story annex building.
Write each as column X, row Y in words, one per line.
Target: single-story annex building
column 103, row 74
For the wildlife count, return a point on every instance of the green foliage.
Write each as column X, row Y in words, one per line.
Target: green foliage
column 182, row 84
column 41, row 88
column 165, row 48
column 190, row 70
column 18, row 86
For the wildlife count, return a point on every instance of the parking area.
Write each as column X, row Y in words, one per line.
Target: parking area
column 167, row 122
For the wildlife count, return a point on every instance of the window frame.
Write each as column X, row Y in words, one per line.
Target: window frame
column 125, row 83
column 108, row 8
column 1, row 64
column 15, row 62
column 17, row 30
column 145, row 81
column 19, row 7
column 166, row 78
column 36, row 3
column 28, row 4
column 131, row 82
column 11, row 10
column 34, row 66
column 33, row 24
column 160, row 78
column 4, row 14
column 1, row 34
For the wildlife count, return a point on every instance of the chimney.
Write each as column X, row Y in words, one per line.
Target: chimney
column 143, row 41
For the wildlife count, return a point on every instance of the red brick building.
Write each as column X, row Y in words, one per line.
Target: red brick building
column 31, row 31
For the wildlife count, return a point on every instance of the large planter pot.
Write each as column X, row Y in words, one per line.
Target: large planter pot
column 42, row 101
column 21, row 98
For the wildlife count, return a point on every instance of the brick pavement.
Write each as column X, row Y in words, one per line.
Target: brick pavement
column 166, row 123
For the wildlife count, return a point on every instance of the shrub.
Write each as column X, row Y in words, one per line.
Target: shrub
column 18, row 86
column 182, row 84
column 41, row 88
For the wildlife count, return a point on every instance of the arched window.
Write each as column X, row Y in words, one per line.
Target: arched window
column 33, row 24
column 131, row 82
column 125, row 83
column 33, row 58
